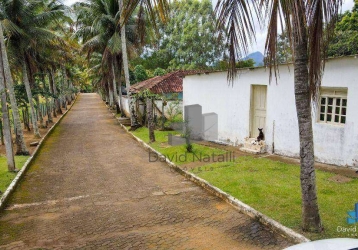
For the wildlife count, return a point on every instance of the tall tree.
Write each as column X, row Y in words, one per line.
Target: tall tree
column 26, row 28
column 30, row 98
column 305, row 22
column 6, row 120
column 99, row 27
column 126, row 68
column 151, row 125
column 188, row 40
column 21, row 148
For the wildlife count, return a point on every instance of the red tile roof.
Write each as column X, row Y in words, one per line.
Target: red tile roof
column 169, row 83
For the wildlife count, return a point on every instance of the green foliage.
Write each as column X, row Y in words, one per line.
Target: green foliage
column 250, row 63
column 191, row 36
column 144, row 94
column 284, row 52
column 159, row 72
column 345, row 40
column 158, row 59
column 140, row 73
column 174, row 113
column 188, row 40
column 224, row 65
column 99, row 30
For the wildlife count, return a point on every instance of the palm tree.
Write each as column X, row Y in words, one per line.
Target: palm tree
column 151, row 124
column 309, row 25
column 99, row 32
column 99, row 29
column 127, row 8
column 6, row 120
column 27, row 22
column 21, row 148
column 126, row 68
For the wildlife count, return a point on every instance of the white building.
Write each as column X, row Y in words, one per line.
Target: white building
column 253, row 102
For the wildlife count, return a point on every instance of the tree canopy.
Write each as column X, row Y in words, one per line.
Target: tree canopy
column 345, row 40
column 188, row 40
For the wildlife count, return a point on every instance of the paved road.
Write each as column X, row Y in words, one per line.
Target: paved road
column 92, row 187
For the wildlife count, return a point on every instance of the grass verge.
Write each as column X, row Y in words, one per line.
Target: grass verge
column 176, row 154
column 273, row 188
column 6, row 177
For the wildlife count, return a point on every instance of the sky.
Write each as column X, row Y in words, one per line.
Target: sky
column 260, row 33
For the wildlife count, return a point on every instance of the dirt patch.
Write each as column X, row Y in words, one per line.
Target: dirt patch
column 29, row 135
column 340, row 179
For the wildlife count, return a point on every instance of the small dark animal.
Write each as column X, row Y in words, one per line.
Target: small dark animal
column 261, row 136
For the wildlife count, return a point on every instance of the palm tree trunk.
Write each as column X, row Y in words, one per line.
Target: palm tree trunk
column 115, row 93
column 48, row 111
column 132, row 113
column 40, row 114
column 118, row 66
column 54, row 91
column 1, row 133
column 110, row 89
column 64, row 88
column 6, row 121
column 150, row 119
column 310, row 211
column 21, row 148
column 31, row 102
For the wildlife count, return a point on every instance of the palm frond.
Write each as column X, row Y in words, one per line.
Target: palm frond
column 11, row 28
column 322, row 16
column 237, row 16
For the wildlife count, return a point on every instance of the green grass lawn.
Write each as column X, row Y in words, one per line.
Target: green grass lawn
column 173, row 152
column 5, row 176
column 273, row 188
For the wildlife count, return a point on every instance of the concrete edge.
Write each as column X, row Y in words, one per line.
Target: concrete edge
column 237, row 204
column 11, row 188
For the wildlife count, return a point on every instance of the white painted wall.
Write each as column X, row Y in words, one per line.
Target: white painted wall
column 125, row 104
column 334, row 144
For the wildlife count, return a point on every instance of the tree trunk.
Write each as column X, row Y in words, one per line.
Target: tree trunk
column 54, row 89
column 132, row 114
column 21, row 148
column 48, row 111
column 31, row 102
column 1, row 133
column 115, row 93
column 6, row 121
column 150, row 119
column 110, row 95
column 40, row 114
column 64, row 87
column 118, row 66
column 310, row 211
column 27, row 116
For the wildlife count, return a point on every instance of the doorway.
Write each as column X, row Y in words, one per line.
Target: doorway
column 258, row 109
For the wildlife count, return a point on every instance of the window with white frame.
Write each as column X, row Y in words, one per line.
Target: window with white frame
column 333, row 105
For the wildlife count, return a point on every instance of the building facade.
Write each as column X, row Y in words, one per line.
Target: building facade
column 252, row 102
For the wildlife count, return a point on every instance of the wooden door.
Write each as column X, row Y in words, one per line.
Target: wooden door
column 258, row 109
